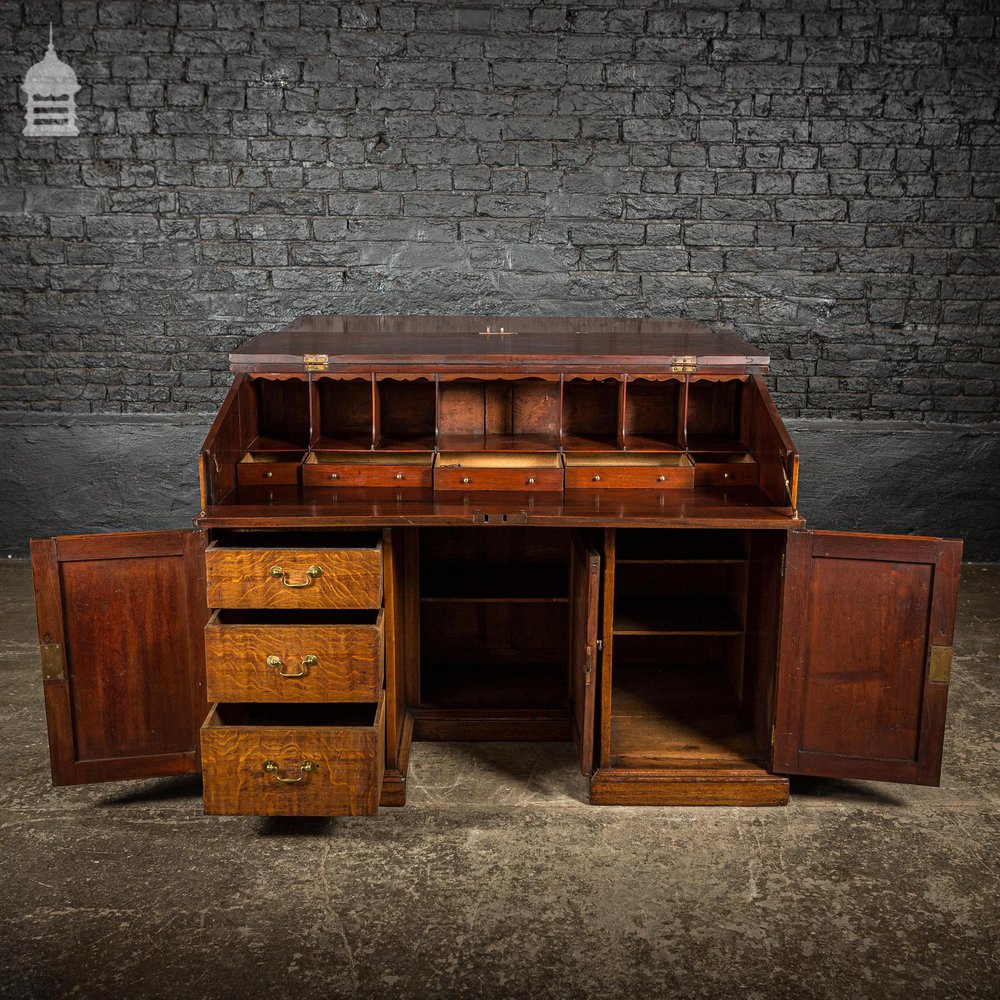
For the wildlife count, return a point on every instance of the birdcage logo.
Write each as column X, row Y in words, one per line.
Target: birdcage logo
column 51, row 88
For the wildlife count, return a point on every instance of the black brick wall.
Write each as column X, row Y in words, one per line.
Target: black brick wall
column 820, row 176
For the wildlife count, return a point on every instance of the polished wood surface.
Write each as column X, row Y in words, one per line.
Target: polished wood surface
column 243, row 578
column 584, row 655
column 119, row 622
column 440, row 343
column 338, row 661
column 347, row 748
column 862, row 616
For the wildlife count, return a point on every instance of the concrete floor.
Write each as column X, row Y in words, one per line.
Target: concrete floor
column 497, row 880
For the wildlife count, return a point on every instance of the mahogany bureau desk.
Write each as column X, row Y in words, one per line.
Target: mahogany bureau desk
column 452, row 528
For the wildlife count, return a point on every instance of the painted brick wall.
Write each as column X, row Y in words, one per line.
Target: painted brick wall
column 820, row 176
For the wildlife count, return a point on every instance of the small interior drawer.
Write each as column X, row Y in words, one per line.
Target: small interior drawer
column 376, row 469
column 467, row 471
column 725, row 469
column 268, row 468
column 615, row 470
column 300, row 656
column 283, row 570
column 293, row 760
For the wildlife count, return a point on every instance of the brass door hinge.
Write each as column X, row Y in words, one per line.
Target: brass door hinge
column 773, row 734
column 52, row 661
column 686, row 363
column 940, row 669
column 316, row 362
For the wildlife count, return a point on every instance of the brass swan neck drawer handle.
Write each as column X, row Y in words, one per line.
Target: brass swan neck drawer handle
column 312, row 573
column 274, row 769
column 307, row 662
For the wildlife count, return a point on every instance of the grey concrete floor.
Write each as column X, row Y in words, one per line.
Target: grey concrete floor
column 498, row 880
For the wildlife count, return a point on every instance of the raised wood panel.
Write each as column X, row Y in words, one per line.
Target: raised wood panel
column 856, row 693
column 347, row 780
column 347, row 667
column 119, row 621
column 242, row 578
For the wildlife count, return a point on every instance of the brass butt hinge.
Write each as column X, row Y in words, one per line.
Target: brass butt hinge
column 588, row 664
column 782, row 565
column 52, row 661
column 685, row 363
column 940, row 669
column 316, row 362
column 773, row 734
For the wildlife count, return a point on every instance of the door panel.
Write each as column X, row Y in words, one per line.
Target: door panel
column 120, row 621
column 585, row 578
column 867, row 624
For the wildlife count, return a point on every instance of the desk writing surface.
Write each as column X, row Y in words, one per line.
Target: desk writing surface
column 441, row 343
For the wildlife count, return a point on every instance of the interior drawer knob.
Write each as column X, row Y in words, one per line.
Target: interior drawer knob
column 531, row 480
column 267, row 475
column 466, row 479
column 274, row 769
column 276, row 664
column 333, row 475
column 597, row 479
column 727, row 475
column 312, row 573
column 661, row 479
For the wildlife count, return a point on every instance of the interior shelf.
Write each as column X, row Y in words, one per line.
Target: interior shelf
column 478, row 686
column 690, row 615
column 679, row 546
column 344, row 442
column 538, row 583
column 499, row 442
column 677, row 714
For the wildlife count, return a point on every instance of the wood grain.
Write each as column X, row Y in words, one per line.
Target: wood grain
column 349, row 666
column 347, row 782
column 733, row 786
column 241, row 578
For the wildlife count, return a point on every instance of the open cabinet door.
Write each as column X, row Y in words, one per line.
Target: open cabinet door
column 865, row 657
column 120, row 620
column 584, row 590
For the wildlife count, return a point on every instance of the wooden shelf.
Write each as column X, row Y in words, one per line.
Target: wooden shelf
column 684, row 715
column 645, row 442
column 678, row 546
column 478, row 686
column 416, row 442
column 347, row 442
column 590, row 442
column 498, row 442
column 690, row 615
column 715, row 442
column 516, row 583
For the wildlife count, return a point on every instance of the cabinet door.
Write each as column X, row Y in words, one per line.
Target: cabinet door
column 120, row 620
column 584, row 589
column 865, row 656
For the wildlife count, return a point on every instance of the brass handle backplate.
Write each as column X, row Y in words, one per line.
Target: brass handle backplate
column 311, row 574
column 274, row 769
column 275, row 663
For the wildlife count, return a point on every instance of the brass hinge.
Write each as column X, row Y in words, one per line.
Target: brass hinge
column 52, row 661
column 782, row 564
column 501, row 332
column 484, row 517
column 316, row 362
column 588, row 664
column 686, row 363
column 773, row 734
column 940, row 669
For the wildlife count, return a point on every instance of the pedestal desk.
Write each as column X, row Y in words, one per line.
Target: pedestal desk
column 457, row 528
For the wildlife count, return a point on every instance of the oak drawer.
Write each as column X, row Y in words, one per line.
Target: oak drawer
column 300, row 656
column 294, row 573
column 474, row 471
column 628, row 470
column 275, row 468
column 293, row 760
column 725, row 469
column 402, row 470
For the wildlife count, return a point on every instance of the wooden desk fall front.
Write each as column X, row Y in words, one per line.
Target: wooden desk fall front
column 423, row 528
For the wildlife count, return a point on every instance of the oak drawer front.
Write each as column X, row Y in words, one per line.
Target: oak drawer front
column 294, row 578
column 300, row 662
column 262, row 761
column 267, row 474
column 726, row 474
column 376, row 476
column 629, row 478
column 537, row 480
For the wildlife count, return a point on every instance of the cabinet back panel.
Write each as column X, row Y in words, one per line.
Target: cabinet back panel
column 345, row 407
column 283, row 411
